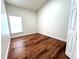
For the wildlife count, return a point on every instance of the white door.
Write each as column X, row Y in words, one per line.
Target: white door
column 71, row 38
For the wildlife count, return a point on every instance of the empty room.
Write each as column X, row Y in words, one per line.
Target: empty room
column 38, row 29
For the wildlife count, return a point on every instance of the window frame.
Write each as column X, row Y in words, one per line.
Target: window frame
column 21, row 24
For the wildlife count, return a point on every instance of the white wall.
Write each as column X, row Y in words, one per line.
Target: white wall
column 53, row 19
column 5, row 34
column 29, row 19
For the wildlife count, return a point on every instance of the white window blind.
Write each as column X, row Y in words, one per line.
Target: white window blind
column 15, row 24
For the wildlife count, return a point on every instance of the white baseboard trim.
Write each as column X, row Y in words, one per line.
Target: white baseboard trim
column 54, row 37
column 8, row 48
column 18, row 35
column 40, row 33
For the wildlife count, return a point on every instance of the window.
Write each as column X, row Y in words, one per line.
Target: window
column 15, row 24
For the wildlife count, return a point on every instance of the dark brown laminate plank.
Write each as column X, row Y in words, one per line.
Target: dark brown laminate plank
column 36, row 46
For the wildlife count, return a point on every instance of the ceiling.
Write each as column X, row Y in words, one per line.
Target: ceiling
column 29, row 4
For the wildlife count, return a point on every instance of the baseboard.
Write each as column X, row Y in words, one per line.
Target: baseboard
column 8, row 48
column 42, row 34
column 22, row 35
column 54, row 37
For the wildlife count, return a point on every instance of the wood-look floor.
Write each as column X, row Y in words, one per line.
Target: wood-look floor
column 36, row 46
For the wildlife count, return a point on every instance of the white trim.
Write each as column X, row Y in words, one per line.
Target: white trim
column 20, row 34
column 67, row 53
column 8, row 48
column 54, row 37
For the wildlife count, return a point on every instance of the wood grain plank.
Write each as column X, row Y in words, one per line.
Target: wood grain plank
column 36, row 46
